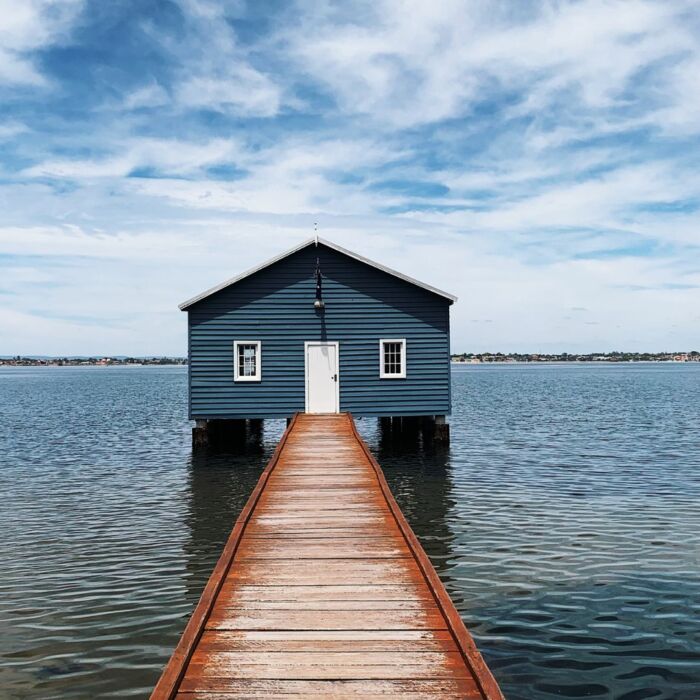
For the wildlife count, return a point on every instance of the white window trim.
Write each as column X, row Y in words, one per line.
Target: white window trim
column 258, row 361
column 400, row 375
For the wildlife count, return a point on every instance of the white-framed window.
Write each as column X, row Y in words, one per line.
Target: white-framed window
column 392, row 358
column 246, row 361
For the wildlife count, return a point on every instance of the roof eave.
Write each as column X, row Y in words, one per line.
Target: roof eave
column 452, row 298
column 243, row 275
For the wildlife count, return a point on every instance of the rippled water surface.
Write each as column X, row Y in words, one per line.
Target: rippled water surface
column 564, row 520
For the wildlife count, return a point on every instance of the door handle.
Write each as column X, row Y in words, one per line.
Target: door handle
column 335, row 377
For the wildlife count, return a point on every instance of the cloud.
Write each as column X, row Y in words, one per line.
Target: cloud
column 27, row 26
column 12, row 128
column 213, row 71
column 149, row 95
column 73, row 241
column 243, row 91
column 292, row 178
column 169, row 156
column 408, row 64
column 680, row 112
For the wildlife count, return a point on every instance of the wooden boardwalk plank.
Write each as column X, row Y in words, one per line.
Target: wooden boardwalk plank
column 415, row 641
column 318, row 605
column 323, row 590
column 253, row 619
column 322, row 548
column 226, row 689
column 310, row 594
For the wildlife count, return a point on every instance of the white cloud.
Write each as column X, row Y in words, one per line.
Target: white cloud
column 289, row 178
column 174, row 157
column 74, row 241
column 680, row 113
column 410, row 63
column 12, row 128
column 244, row 91
column 29, row 25
column 595, row 202
column 150, row 95
column 213, row 71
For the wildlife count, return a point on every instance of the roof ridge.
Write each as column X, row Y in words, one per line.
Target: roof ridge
column 316, row 240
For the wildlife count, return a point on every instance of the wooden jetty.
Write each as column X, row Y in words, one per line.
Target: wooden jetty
column 323, row 590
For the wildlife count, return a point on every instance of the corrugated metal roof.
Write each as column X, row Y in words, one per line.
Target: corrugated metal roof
column 314, row 241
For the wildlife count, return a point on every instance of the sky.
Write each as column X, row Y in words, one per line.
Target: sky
column 540, row 160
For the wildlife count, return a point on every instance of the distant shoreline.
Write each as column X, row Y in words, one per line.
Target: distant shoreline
column 572, row 362
column 614, row 357
column 19, row 361
column 470, row 359
column 53, row 366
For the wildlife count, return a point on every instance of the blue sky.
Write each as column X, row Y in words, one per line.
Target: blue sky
column 538, row 159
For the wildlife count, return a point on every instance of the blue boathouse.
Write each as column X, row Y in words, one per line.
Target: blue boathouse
column 319, row 329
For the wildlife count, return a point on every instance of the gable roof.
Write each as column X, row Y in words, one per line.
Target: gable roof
column 314, row 241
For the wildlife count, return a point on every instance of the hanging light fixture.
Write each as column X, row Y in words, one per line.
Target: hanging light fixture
column 318, row 302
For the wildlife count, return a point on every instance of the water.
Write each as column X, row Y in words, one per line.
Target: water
column 564, row 521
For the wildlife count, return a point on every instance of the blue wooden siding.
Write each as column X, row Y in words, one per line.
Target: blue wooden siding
column 275, row 306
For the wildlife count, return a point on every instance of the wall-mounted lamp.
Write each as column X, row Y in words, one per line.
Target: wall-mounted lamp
column 318, row 302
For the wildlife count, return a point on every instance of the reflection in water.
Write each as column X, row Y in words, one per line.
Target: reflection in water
column 220, row 479
column 419, row 475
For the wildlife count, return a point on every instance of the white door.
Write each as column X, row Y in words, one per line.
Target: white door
column 322, row 377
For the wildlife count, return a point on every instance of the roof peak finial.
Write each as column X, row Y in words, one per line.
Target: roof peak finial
column 316, row 233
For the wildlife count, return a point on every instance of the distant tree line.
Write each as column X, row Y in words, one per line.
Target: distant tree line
column 20, row 361
column 615, row 356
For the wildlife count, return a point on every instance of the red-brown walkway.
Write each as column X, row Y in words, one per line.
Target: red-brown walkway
column 324, row 590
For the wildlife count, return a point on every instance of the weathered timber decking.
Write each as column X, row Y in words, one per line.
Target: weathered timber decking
column 323, row 589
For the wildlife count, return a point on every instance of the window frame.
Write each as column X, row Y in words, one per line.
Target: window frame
column 402, row 373
column 257, row 377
